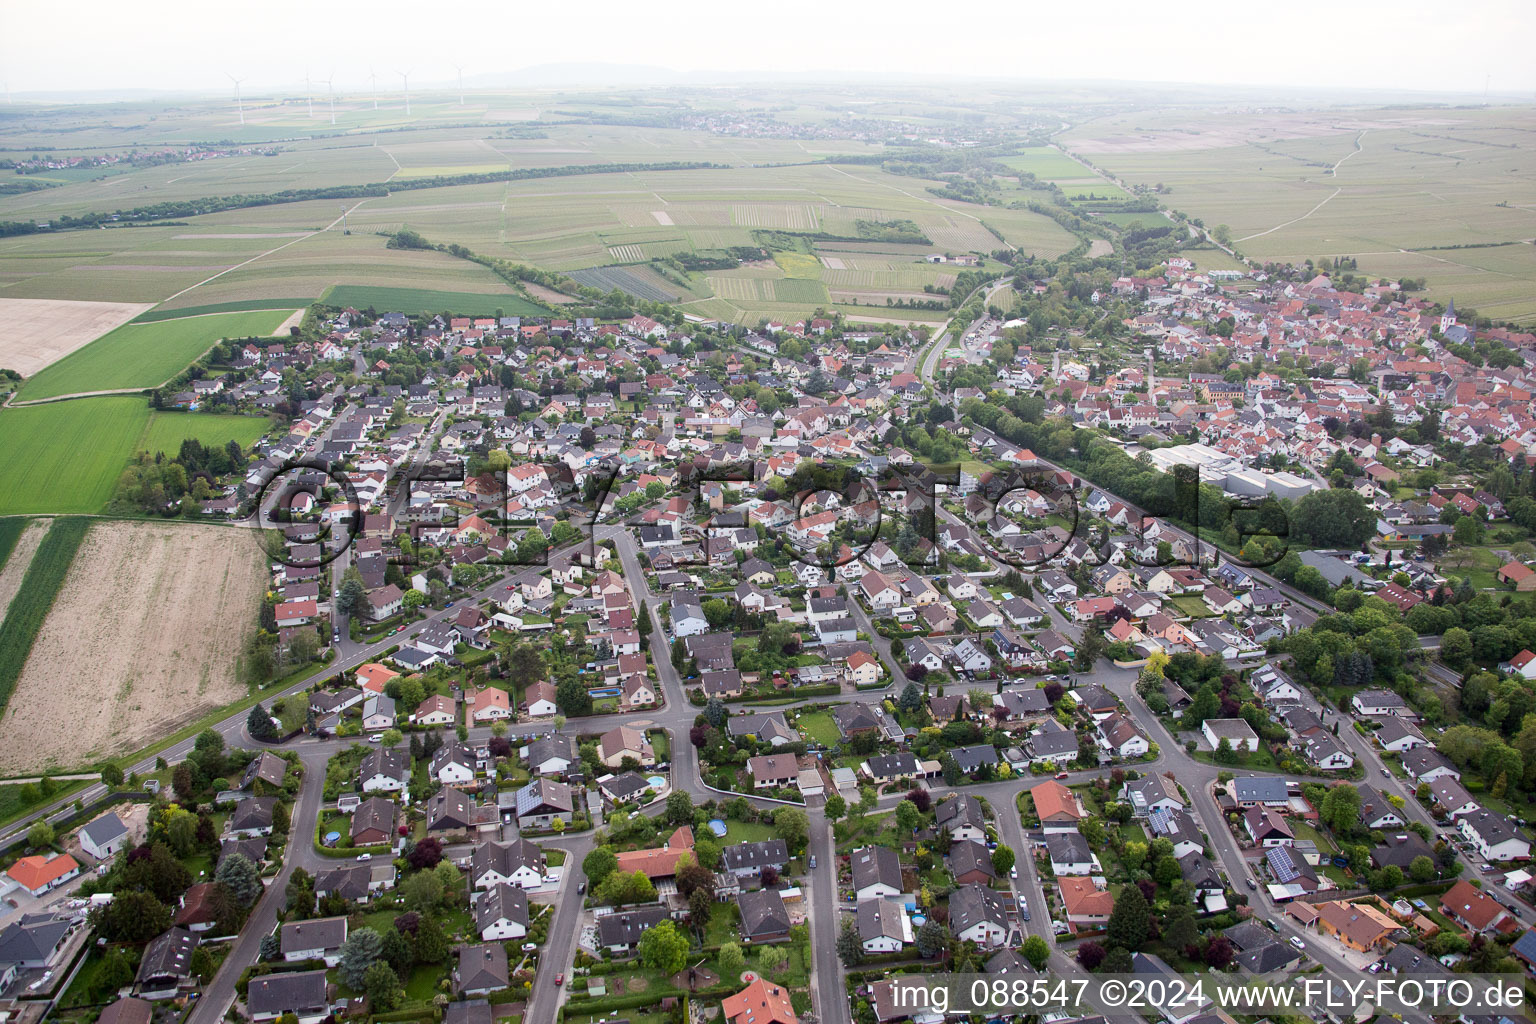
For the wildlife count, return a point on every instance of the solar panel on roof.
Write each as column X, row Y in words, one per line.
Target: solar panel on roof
column 1281, row 865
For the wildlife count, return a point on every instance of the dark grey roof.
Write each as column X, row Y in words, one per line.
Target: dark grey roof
column 274, row 994
column 874, row 864
column 762, row 913
column 626, row 927
column 320, row 933
column 501, row 901
column 168, row 956
column 105, row 829
column 743, row 856
column 34, row 937
column 482, row 966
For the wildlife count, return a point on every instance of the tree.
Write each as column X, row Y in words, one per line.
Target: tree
column 1002, row 859
column 1421, row 869
column 362, row 949
column 132, row 917
column 1219, row 952
column 238, row 873
column 1341, row 809
column 422, row 892
column 1333, row 518
column 40, row 835
column 572, row 698
column 715, row 712
column 271, row 948
column 431, row 942
column 836, row 807
column 792, row 826
column 932, row 938
column 679, row 808
column 1456, row 647
column 908, row 817
column 1037, row 951
column 299, row 893
column 383, row 986
column 526, row 665
column 426, row 854
column 1090, row 954
column 598, row 865
column 111, row 775
column 663, row 948
column 911, row 698
column 181, row 780
column 259, row 724
column 732, row 962
column 1180, row 930
column 1127, row 926
column 850, row 948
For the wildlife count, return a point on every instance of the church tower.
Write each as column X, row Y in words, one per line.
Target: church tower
column 1448, row 318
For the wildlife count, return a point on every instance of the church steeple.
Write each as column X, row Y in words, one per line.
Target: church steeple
column 1448, row 318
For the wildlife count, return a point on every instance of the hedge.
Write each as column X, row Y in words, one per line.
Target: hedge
column 421, row 1012
column 576, row 1004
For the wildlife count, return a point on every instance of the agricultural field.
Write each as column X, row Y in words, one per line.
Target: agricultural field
column 167, row 429
column 1397, row 189
column 42, row 331
column 63, row 457
column 67, row 456
column 640, row 282
column 25, row 616
column 145, row 355
column 425, row 300
column 159, row 643
column 19, row 540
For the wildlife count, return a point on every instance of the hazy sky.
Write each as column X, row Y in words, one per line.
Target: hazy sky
column 185, row 45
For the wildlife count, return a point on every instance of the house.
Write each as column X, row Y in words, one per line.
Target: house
column 973, row 758
column 747, row 860
column 1292, row 875
column 970, row 861
column 518, row 863
column 1494, row 836
column 306, row 994
column 1426, row 764
column 1267, row 828
column 1178, row 828
column 1472, row 908
column 105, row 836
column 962, row 817
column 1375, row 812
column 166, row 965
column 482, row 969
column 127, row 1010
column 1399, row 736
column 317, row 939
column 1052, row 743
column 764, row 918
column 266, row 768
column 454, row 764
column 759, row 1003
column 450, row 811
column 373, row 823
column 891, row 767
column 884, row 926
column 977, row 915
column 773, row 771
column 1059, row 809
column 539, row 700
column 625, row 742
column 620, row 932
column 876, row 872
column 252, row 817
column 767, row 726
column 1236, row 731
column 385, row 770
column 378, row 713
column 543, row 802
column 1260, row 791
column 659, row 862
column 1087, row 905
column 1118, row 735
column 1376, row 703
column 1069, row 854
column 501, row 913
column 1452, row 797
column 1359, row 926
column 436, row 710
column 550, row 755
column 1152, row 793
column 488, row 705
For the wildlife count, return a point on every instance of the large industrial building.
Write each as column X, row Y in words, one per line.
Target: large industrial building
column 1230, row 474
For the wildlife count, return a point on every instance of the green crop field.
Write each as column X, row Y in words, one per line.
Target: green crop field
column 145, row 355
column 166, row 430
column 30, row 606
column 233, row 306
column 11, row 529
column 423, row 300
column 67, row 456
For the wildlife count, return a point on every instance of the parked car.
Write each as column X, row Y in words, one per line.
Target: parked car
column 813, row 861
column 1386, row 774
column 529, row 947
column 560, row 979
column 1063, row 775
column 1013, row 872
column 581, row 890
column 365, row 856
column 1298, row 943
column 1024, row 911
column 1251, row 883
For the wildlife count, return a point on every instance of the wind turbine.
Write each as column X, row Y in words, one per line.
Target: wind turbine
column 238, row 102
column 309, row 94
column 405, row 84
column 332, row 92
column 460, row 69
column 373, row 87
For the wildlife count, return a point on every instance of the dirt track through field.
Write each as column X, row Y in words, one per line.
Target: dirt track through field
column 143, row 638
column 15, row 567
column 42, row 331
column 296, row 318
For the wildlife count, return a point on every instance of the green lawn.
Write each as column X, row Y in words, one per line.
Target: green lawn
column 660, row 744
column 818, row 726
column 1192, row 605
column 747, row 832
column 145, row 355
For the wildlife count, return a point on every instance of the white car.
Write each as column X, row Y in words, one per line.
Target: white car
column 365, row 856
column 1298, row 943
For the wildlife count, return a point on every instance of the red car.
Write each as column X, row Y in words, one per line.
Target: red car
column 559, row 979
column 1061, row 775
